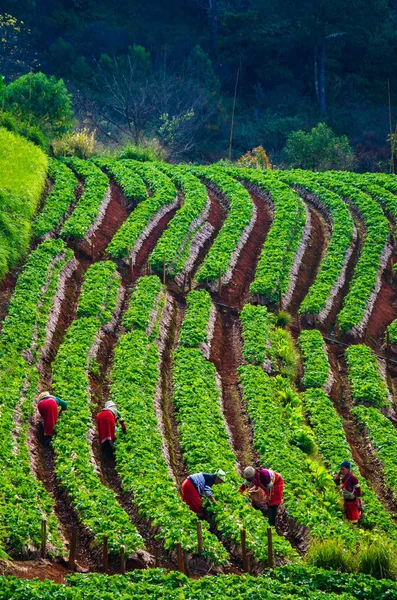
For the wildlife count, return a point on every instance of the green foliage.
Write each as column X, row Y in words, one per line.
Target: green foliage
column 367, row 267
column 315, row 359
column 133, row 187
column 87, row 209
column 220, row 256
column 318, row 150
column 80, row 143
column 148, row 150
column 365, row 379
column 256, row 322
column 74, row 468
column 378, row 559
column 283, row 318
column 143, row 301
column 330, row 554
column 317, row 300
column 194, row 327
column 134, row 229
column 58, row 201
column 23, row 169
column 42, row 101
column 175, row 242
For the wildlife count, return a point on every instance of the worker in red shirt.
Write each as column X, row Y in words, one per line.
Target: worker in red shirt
column 106, row 423
column 266, row 490
column 351, row 492
column 48, row 405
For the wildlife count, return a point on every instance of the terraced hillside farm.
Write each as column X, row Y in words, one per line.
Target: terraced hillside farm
column 235, row 317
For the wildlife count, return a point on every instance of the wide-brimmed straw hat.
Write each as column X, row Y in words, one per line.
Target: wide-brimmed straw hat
column 43, row 395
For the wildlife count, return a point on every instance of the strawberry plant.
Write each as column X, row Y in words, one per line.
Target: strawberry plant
column 315, row 359
column 175, row 242
column 194, row 327
column 365, row 379
column 88, row 209
column 58, row 201
column 131, row 183
column 97, row 505
column 147, row 214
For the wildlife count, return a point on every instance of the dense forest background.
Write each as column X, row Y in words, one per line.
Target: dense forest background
column 149, row 69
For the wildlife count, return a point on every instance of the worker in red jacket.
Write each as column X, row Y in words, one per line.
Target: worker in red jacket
column 48, row 405
column 351, row 492
column 266, row 490
column 106, row 423
column 198, row 486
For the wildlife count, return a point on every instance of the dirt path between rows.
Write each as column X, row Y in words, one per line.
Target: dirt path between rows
column 385, row 309
column 369, row 466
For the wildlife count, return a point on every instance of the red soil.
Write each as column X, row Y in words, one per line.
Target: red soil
column 385, row 309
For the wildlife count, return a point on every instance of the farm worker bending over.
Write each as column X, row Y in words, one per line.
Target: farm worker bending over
column 351, row 492
column 106, row 422
column 198, row 485
column 266, row 490
column 47, row 405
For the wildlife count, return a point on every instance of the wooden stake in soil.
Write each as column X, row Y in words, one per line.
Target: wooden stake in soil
column 122, row 560
column 220, row 283
column 43, row 538
column 199, row 538
column 280, row 300
column 164, row 271
column 184, row 282
column 270, row 548
column 105, row 553
column 73, row 548
column 181, row 564
column 156, row 557
column 190, row 281
column 243, row 537
column 387, row 348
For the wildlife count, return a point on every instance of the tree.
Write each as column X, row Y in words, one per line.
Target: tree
column 41, row 101
column 318, row 150
column 16, row 56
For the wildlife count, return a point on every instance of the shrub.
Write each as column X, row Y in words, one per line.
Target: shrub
column 80, row 143
column 377, row 558
column 330, row 554
column 149, row 150
column 283, row 318
column 255, row 159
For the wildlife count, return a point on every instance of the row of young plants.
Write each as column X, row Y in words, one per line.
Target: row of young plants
column 333, row 446
column 23, row 498
column 144, row 467
column 130, row 182
column 195, row 324
column 276, row 261
column 317, row 370
column 23, row 169
column 287, row 582
column 288, row 445
column 75, row 468
column 224, row 252
column 58, row 201
column 265, row 344
column 330, row 277
column 129, row 238
column 90, row 206
column 383, row 438
column 175, row 243
column 206, row 446
column 358, row 302
column 365, row 377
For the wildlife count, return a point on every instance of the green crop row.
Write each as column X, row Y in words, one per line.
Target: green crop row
column 383, row 437
column 331, row 440
column 194, row 326
column 362, row 285
column 318, row 298
column 87, row 209
column 289, row 582
column 175, row 242
column 282, row 242
column 143, row 301
column 131, row 183
column 99, row 292
column 59, row 200
column 315, row 359
column 223, row 253
column 23, row 498
column 265, row 344
column 285, row 443
column 23, row 169
column 97, row 506
column 206, row 446
column 365, row 379
column 134, row 228
column 140, row 458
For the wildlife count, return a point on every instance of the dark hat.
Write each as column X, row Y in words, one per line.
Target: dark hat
column 346, row 464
